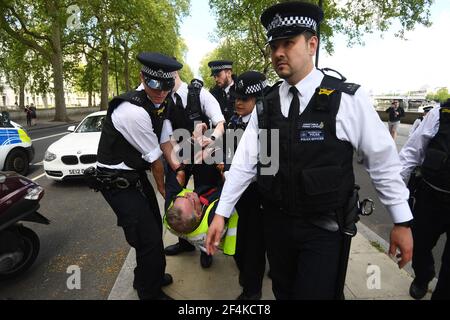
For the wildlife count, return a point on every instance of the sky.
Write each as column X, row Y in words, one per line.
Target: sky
column 382, row 65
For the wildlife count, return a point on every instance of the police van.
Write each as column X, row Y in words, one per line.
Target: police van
column 16, row 150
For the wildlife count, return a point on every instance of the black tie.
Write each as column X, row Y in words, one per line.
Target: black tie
column 178, row 101
column 294, row 108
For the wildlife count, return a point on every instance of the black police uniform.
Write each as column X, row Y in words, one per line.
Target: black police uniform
column 250, row 247
column 135, row 204
column 431, row 212
column 226, row 100
column 303, row 202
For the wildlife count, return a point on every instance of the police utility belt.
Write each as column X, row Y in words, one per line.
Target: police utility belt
column 110, row 179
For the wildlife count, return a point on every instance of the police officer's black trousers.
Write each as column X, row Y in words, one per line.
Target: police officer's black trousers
column 431, row 220
column 138, row 214
column 250, row 253
column 303, row 258
column 204, row 175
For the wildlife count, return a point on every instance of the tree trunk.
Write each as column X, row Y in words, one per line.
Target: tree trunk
column 45, row 100
column 104, row 91
column 126, row 69
column 22, row 96
column 58, row 74
column 90, row 99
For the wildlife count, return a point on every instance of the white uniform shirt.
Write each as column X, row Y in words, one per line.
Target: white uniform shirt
column 413, row 152
column 356, row 122
column 210, row 108
column 136, row 126
column 415, row 125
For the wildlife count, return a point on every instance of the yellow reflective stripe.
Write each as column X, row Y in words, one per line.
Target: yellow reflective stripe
column 23, row 136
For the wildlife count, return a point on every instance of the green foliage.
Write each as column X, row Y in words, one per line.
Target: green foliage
column 441, row 95
column 241, row 34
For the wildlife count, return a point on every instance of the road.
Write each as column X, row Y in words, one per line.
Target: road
column 82, row 232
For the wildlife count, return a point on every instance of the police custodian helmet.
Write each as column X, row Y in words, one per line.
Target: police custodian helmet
column 219, row 65
column 289, row 19
column 158, row 70
column 250, row 84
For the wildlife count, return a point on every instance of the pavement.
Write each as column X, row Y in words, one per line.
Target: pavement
column 371, row 275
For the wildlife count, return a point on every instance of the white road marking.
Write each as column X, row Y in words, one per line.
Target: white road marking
column 38, row 177
column 55, row 135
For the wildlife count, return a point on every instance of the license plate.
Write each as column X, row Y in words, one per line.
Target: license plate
column 76, row 171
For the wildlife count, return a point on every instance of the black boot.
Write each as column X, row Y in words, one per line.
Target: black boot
column 418, row 289
column 167, row 279
column 178, row 248
column 205, row 260
column 244, row 296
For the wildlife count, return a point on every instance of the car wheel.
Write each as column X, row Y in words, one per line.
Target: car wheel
column 17, row 161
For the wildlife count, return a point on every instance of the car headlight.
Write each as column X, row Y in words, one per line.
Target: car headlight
column 49, row 156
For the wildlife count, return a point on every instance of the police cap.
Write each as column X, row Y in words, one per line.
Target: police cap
column 219, row 65
column 289, row 19
column 158, row 70
column 250, row 84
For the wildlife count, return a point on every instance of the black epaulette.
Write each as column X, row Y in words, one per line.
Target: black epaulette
column 349, row 88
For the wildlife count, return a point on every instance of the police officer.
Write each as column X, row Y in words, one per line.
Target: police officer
column 429, row 148
column 192, row 105
column 250, row 248
column 419, row 120
column 320, row 121
column 129, row 145
column 222, row 71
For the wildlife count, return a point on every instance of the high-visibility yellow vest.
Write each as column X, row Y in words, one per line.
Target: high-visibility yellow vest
column 198, row 236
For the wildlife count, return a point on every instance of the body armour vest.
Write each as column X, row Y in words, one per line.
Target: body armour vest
column 436, row 165
column 113, row 147
column 315, row 173
column 198, row 236
column 185, row 118
column 226, row 101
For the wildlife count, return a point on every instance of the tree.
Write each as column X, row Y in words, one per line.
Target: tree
column 239, row 20
column 39, row 25
column 441, row 95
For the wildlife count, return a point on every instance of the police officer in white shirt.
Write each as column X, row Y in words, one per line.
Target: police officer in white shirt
column 320, row 121
column 429, row 148
column 129, row 145
column 192, row 104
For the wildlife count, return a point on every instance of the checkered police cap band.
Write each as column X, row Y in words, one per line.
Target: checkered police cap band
column 158, row 73
column 255, row 88
column 221, row 67
column 299, row 21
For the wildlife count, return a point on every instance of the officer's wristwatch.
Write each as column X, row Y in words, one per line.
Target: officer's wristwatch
column 407, row 224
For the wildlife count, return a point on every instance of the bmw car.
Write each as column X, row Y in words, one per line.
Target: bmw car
column 72, row 154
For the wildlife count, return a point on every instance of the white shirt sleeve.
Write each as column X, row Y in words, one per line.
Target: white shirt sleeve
column 358, row 123
column 414, row 126
column 413, row 152
column 243, row 169
column 167, row 131
column 136, row 126
column 211, row 107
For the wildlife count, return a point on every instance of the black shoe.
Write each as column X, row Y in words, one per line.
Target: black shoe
column 418, row 290
column 243, row 296
column 167, row 279
column 178, row 248
column 205, row 260
column 163, row 296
